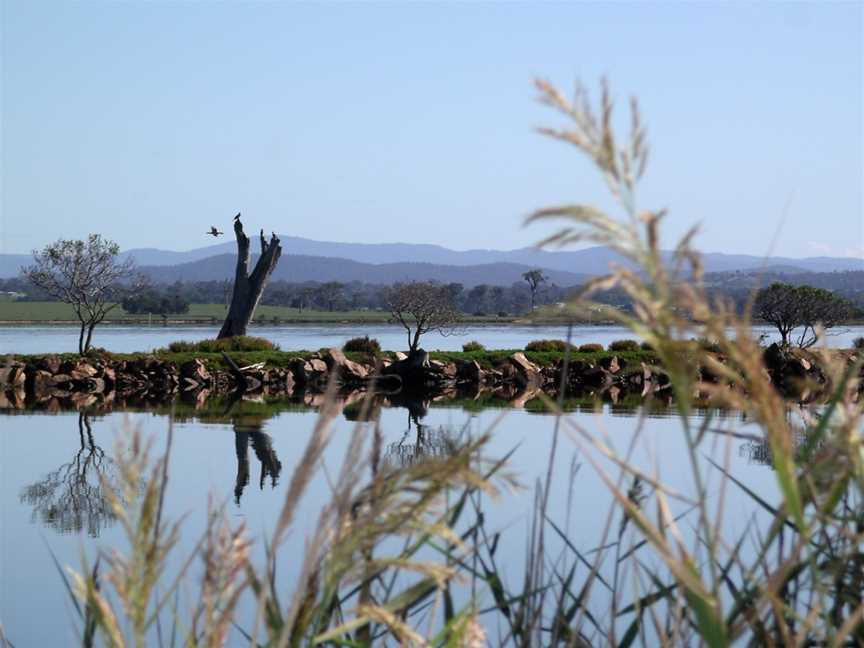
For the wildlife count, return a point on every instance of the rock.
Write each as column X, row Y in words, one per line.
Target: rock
column 43, row 382
column 318, row 365
column 400, row 356
column 471, row 371
column 347, row 370
column 12, row 375
column 59, row 380
column 81, row 368
column 611, row 364
column 95, row 385
column 447, row 369
column 196, row 370
column 51, row 364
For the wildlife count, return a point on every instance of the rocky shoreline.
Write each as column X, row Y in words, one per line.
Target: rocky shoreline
column 515, row 378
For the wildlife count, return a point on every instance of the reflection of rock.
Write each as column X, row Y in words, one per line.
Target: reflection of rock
column 72, row 498
column 525, row 394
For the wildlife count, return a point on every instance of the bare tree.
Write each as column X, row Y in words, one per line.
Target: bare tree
column 534, row 279
column 248, row 287
column 85, row 274
column 422, row 307
column 788, row 307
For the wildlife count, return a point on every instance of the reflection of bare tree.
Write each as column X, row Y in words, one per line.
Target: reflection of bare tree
column 759, row 452
column 262, row 444
column 73, row 496
column 428, row 444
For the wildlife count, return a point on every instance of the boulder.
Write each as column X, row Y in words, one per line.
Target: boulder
column 51, row 364
column 527, row 372
column 446, row 369
column 12, row 375
column 318, row 366
column 611, row 364
column 347, row 370
column 471, row 371
column 196, row 371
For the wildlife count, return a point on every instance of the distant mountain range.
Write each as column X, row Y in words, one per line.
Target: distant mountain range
column 301, row 268
column 308, row 260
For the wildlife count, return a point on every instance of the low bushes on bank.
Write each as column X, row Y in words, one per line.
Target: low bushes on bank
column 591, row 347
column 624, row 345
column 237, row 343
column 363, row 344
column 546, row 346
column 472, row 347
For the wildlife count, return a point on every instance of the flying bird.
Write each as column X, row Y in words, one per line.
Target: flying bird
column 214, row 232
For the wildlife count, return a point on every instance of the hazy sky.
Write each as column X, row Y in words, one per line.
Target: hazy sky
column 150, row 121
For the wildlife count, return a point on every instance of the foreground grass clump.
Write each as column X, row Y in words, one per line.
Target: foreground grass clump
column 785, row 579
column 237, row 343
column 355, row 587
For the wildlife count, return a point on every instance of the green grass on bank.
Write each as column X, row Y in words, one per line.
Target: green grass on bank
column 486, row 359
column 48, row 312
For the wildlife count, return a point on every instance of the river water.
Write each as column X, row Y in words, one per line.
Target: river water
column 51, row 495
column 51, row 461
column 309, row 337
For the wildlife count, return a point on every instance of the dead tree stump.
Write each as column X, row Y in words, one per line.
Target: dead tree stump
column 248, row 287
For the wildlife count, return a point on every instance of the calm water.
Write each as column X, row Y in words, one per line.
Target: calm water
column 50, row 499
column 126, row 339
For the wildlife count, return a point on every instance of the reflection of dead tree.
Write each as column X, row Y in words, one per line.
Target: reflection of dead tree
column 262, row 444
column 759, row 452
column 73, row 496
column 428, row 444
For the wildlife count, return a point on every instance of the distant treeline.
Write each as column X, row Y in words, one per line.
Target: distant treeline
column 482, row 299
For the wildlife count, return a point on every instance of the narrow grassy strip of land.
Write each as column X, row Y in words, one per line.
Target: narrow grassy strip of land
column 20, row 312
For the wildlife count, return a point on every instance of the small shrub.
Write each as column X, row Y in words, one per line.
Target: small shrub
column 238, row 343
column 624, row 345
column 858, row 343
column 546, row 345
column 591, row 347
column 472, row 346
column 645, row 346
column 181, row 346
column 363, row 344
column 503, row 314
column 708, row 345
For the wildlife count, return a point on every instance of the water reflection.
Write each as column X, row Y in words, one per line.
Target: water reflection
column 75, row 496
column 428, row 442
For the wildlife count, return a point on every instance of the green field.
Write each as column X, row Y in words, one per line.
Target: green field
column 21, row 311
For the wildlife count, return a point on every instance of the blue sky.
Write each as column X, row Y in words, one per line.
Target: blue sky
column 148, row 122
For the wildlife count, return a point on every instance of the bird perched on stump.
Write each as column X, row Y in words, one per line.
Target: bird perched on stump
column 237, row 217
column 214, row 232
